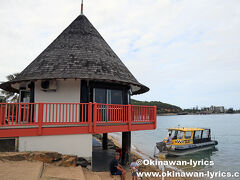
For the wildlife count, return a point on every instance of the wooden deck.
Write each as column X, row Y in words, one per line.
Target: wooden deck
column 36, row 119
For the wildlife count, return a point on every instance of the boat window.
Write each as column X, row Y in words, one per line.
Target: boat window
column 173, row 134
column 205, row 134
column 188, row 134
column 180, row 135
column 197, row 134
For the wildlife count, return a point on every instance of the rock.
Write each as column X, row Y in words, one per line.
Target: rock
column 68, row 161
column 82, row 162
column 46, row 157
column 111, row 144
column 98, row 136
column 14, row 156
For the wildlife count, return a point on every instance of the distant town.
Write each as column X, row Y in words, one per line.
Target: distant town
column 209, row 110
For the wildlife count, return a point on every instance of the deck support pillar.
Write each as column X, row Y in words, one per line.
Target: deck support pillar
column 105, row 141
column 126, row 147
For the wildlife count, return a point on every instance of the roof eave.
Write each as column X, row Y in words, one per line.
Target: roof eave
column 7, row 86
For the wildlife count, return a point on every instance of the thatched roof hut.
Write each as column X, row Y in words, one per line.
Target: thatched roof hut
column 79, row 52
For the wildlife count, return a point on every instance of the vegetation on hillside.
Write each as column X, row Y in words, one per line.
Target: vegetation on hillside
column 2, row 99
column 161, row 107
column 6, row 96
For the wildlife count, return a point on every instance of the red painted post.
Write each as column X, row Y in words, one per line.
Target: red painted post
column 129, row 117
column 27, row 113
column 94, row 117
column 85, row 120
column 89, row 117
column 17, row 109
column 155, row 117
column 2, row 114
column 40, row 118
column 81, row 115
column 8, row 115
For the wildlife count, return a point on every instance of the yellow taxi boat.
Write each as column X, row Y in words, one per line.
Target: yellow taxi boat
column 182, row 141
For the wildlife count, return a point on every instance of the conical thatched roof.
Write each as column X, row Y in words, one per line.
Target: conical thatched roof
column 79, row 52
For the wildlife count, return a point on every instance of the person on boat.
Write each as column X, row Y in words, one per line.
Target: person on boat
column 116, row 168
column 169, row 140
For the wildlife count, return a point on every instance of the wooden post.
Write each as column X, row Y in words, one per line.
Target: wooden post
column 126, row 147
column 105, row 141
column 90, row 117
column 40, row 118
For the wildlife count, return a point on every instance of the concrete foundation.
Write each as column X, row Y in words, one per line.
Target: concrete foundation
column 77, row 144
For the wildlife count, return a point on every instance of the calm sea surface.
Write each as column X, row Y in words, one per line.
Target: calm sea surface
column 225, row 129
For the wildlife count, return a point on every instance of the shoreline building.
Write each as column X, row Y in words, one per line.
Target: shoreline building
column 76, row 87
column 217, row 109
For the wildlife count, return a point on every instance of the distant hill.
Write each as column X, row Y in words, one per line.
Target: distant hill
column 162, row 108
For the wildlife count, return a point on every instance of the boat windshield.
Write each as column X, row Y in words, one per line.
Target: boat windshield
column 197, row 135
column 173, row 133
column 188, row 134
column 180, row 134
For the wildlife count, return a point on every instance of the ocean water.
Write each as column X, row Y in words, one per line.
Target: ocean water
column 225, row 129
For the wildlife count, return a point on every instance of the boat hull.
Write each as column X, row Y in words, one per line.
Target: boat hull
column 181, row 150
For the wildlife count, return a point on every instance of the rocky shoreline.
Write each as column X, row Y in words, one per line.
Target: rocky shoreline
column 140, row 155
column 54, row 158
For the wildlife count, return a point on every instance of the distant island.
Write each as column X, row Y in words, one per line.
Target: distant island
column 162, row 108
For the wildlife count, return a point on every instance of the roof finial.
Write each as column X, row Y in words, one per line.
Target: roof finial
column 82, row 8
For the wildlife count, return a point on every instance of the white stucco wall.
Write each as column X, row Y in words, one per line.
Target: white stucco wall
column 68, row 91
column 77, row 144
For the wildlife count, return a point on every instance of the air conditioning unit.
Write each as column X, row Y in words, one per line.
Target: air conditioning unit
column 49, row 85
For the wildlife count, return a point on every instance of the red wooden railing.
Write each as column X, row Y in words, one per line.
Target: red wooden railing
column 30, row 119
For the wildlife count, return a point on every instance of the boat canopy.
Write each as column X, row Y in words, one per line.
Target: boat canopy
column 187, row 129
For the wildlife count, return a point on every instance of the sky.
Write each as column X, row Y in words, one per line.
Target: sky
column 187, row 52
